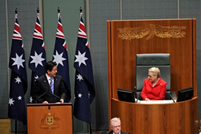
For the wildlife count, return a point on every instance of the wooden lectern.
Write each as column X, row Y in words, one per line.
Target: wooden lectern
column 49, row 118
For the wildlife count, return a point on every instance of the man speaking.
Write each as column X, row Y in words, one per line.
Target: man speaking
column 49, row 88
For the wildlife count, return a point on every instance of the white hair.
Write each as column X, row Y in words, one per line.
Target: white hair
column 155, row 71
column 115, row 119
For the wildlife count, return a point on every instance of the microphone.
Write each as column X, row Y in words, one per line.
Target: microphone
column 56, row 96
column 135, row 95
column 171, row 97
column 41, row 95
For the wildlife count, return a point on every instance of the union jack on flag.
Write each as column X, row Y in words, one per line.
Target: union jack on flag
column 37, row 59
column 84, row 82
column 60, row 56
column 18, row 80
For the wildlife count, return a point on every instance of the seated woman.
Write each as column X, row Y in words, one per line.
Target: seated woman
column 154, row 87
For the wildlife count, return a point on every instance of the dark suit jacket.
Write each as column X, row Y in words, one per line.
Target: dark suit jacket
column 42, row 91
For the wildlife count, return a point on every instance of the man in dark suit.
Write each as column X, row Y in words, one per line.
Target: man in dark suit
column 115, row 125
column 49, row 88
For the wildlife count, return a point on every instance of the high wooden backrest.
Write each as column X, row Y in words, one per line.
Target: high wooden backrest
column 126, row 38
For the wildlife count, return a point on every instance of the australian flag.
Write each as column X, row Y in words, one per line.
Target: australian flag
column 37, row 58
column 18, row 81
column 84, row 82
column 60, row 56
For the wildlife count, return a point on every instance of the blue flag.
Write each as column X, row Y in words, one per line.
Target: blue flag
column 37, row 59
column 60, row 56
column 18, row 80
column 84, row 82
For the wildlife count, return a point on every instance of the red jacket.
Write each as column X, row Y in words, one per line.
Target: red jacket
column 154, row 93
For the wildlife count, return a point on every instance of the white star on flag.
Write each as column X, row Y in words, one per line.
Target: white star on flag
column 58, row 58
column 11, row 101
column 80, row 58
column 31, row 99
column 36, row 77
column 79, row 77
column 37, row 59
column 19, row 97
column 18, row 61
column 79, row 95
column 18, row 80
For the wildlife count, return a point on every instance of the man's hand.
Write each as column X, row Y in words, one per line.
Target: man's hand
column 45, row 102
column 62, row 100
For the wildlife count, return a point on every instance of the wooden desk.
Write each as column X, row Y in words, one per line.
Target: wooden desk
column 49, row 118
column 173, row 118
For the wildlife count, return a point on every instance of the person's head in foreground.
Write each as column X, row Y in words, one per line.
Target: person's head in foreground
column 115, row 125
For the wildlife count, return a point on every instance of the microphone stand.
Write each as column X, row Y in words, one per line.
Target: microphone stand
column 41, row 95
column 171, row 97
column 57, row 97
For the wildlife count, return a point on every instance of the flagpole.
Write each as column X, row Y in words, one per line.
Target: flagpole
column 37, row 10
column 15, row 126
column 15, row 120
column 80, row 9
column 58, row 10
column 90, row 131
column 90, row 128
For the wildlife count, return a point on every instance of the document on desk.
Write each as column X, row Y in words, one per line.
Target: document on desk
column 155, row 101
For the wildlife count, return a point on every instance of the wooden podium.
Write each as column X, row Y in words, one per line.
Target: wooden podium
column 49, row 118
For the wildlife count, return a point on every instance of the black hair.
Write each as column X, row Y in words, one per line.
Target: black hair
column 50, row 65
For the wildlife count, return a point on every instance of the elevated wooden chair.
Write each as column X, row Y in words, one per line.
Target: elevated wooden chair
column 146, row 61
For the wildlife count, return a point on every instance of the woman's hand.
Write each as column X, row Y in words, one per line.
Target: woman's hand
column 147, row 99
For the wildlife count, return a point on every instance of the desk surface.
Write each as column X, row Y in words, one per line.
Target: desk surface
column 155, row 102
column 49, row 104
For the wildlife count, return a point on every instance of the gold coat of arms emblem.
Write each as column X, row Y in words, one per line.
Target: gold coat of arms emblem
column 49, row 119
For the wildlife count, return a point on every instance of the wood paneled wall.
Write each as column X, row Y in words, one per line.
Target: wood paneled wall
column 130, row 37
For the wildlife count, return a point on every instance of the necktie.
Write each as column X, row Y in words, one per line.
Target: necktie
column 52, row 85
